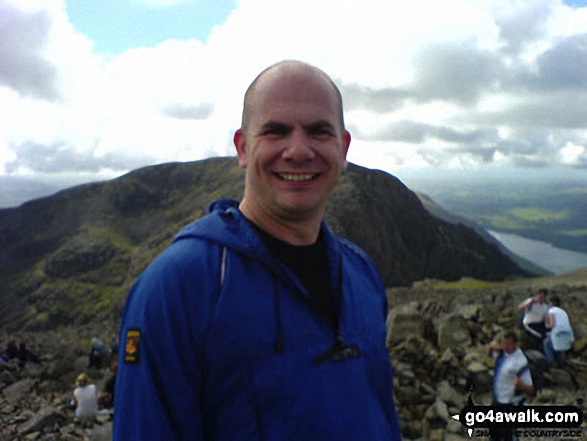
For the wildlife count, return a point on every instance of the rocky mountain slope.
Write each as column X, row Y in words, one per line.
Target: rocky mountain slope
column 71, row 257
column 437, row 336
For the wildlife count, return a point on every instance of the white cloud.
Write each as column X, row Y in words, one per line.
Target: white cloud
column 455, row 83
column 573, row 154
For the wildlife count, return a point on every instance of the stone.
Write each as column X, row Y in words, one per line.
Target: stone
column 468, row 312
column 47, row 416
column 17, row 391
column 476, row 367
column 441, row 410
column 402, row 322
column 449, row 395
column 453, row 331
column 437, row 435
column 403, row 370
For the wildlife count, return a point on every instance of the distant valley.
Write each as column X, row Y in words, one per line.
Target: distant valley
column 553, row 211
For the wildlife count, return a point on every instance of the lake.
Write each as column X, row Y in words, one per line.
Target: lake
column 549, row 257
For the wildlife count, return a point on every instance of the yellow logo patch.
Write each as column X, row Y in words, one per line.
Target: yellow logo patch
column 132, row 352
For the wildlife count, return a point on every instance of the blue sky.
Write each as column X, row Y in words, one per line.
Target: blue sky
column 117, row 25
column 92, row 89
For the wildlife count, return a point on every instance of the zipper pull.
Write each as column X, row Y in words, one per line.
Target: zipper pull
column 338, row 352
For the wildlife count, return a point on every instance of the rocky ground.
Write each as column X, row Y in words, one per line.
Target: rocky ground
column 35, row 398
column 437, row 340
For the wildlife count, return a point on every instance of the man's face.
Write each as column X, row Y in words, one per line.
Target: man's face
column 541, row 297
column 293, row 147
column 508, row 345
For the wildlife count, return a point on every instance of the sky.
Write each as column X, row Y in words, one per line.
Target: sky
column 91, row 89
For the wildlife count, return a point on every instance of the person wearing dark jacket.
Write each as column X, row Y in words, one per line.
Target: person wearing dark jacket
column 258, row 322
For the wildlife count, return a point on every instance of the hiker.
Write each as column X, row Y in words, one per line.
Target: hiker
column 85, row 400
column 511, row 380
column 560, row 336
column 106, row 398
column 534, row 310
column 25, row 355
column 258, row 322
column 11, row 351
column 97, row 353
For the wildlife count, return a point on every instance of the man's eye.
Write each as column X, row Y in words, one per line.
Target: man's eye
column 275, row 131
column 321, row 132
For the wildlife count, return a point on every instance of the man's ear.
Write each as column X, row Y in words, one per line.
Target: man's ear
column 240, row 142
column 346, row 142
column 346, row 136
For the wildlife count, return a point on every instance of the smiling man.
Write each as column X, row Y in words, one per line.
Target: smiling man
column 258, row 322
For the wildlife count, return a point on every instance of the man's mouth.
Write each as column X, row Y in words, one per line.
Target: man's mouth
column 297, row 177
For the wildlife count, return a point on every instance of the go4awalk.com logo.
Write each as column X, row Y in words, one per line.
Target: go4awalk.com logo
column 546, row 421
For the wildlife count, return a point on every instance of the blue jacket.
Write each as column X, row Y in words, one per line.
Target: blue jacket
column 221, row 343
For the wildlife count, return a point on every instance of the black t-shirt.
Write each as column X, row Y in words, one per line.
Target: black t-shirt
column 310, row 265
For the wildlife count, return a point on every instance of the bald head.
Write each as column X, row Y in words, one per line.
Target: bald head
column 285, row 68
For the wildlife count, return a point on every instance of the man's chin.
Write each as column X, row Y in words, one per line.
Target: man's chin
column 301, row 209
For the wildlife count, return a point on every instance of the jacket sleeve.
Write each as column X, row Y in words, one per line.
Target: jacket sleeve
column 159, row 379
column 371, row 271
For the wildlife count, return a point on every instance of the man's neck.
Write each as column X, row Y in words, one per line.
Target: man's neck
column 294, row 231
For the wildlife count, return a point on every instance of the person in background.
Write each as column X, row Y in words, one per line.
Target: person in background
column 85, row 400
column 106, row 398
column 511, row 380
column 560, row 336
column 97, row 353
column 11, row 350
column 534, row 310
column 258, row 322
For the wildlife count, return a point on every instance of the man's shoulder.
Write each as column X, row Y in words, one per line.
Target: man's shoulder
column 354, row 248
column 359, row 260
column 519, row 357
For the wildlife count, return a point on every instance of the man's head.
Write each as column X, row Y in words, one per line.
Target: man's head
column 287, row 65
column 555, row 301
column 292, row 142
column 509, row 340
column 541, row 294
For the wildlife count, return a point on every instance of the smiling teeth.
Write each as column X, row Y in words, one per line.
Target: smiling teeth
column 296, row 177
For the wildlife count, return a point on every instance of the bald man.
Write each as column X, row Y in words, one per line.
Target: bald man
column 258, row 323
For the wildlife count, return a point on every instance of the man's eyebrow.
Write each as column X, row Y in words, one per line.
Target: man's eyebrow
column 275, row 125
column 320, row 124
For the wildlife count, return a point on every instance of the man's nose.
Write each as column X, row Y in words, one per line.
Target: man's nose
column 299, row 147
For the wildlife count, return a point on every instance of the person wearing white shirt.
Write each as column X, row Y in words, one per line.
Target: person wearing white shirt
column 535, row 310
column 560, row 338
column 511, row 380
column 85, row 400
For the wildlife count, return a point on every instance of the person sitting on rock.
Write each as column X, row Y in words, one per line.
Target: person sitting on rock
column 97, row 353
column 560, row 338
column 24, row 355
column 535, row 309
column 85, row 400
column 106, row 399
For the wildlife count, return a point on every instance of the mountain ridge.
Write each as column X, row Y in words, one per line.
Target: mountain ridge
column 72, row 257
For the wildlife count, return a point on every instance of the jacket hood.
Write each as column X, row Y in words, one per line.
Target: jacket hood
column 226, row 225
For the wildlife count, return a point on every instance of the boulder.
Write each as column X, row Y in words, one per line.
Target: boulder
column 47, row 416
column 449, row 395
column 19, row 390
column 453, row 331
column 402, row 322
